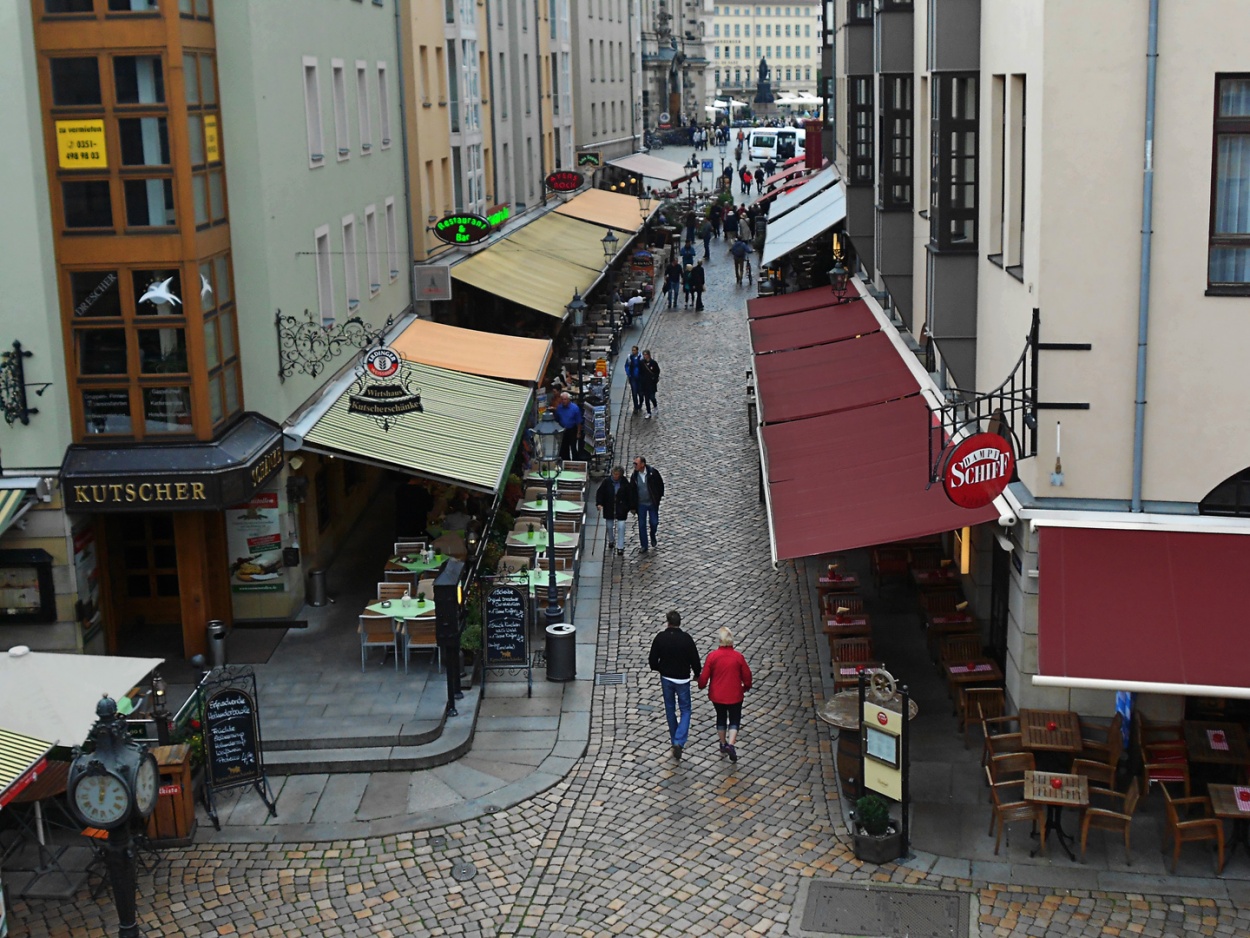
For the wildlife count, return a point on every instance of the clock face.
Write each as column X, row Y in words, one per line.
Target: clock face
column 146, row 786
column 102, row 800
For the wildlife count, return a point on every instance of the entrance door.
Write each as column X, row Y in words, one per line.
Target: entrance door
column 1000, row 591
column 144, row 582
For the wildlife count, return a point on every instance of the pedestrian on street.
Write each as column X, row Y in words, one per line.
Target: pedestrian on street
column 691, row 221
column 672, row 282
column 687, row 253
column 746, row 181
column 759, row 179
column 615, row 501
column 569, row 416
column 714, row 217
column 705, row 232
column 770, row 166
column 649, row 381
column 728, row 174
column 698, row 280
column 740, row 250
column 675, row 656
column 648, row 487
column 731, row 226
column 687, row 286
column 633, row 371
column 727, row 678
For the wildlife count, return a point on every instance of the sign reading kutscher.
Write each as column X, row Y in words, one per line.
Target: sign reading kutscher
column 977, row 469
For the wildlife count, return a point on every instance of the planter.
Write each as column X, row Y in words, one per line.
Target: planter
column 878, row 848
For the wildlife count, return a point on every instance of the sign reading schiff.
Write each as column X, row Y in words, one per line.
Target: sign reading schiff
column 978, row 469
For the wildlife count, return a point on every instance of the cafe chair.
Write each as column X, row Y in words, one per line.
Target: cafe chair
column 1117, row 818
column 391, row 590
column 533, row 493
column 1167, row 766
column 1206, row 827
column 1011, row 766
column 514, row 563
column 1096, row 737
column 567, row 527
column 1001, row 734
column 419, row 635
column 1104, row 766
column 956, row 649
column 851, row 649
column 928, row 557
column 1007, row 811
column 409, row 547
column 400, row 576
column 890, row 563
column 378, row 631
column 452, row 545
column 943, row 602
column 526, row 553
column 977, row 703
column 830, row 603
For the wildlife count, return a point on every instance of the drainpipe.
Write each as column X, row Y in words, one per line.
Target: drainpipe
column 403, row 149
column 1143, row 290
column 494, row 130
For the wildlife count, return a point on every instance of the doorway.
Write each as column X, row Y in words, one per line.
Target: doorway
column 143, row 568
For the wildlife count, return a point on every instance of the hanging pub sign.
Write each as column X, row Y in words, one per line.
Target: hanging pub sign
column 462, row 229
column 977, row 470
column 564, row 180
column 383, row 388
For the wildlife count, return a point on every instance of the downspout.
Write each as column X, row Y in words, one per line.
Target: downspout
column 494, row 130
column 1143, row 290
column 403, row 149
column 538, row 63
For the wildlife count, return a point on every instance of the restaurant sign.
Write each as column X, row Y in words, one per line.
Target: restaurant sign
column 564, row 180
column 978, row 469
column 383, row 388
column 462, row 228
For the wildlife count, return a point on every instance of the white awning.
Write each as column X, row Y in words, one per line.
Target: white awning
column 794, row 198
column 809, row 220
column 644, row 165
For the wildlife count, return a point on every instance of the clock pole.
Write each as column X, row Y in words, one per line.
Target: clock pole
column 119, row 860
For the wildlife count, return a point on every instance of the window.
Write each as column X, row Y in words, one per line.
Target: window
column 362, row 107
column 338, row 83
column 392, row 241
column 859, row 128
column 953, row 186
column 1228, row 268
column 384, row 106
column 1013, row 221
column 75, row 82
column 149, row 203
column 351, row 270
column 716, row 29
column 997, row 163
column 312, row 113
column 145, row 141
column 371, row 250
column 138, row 79
column 325, row 279
column 897, row 133
column 502, row 83
column 1231, row 498
column 87, row 204
column 858, row 12
column 717, row 52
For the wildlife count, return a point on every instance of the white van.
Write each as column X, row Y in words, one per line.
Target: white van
column 776, row 143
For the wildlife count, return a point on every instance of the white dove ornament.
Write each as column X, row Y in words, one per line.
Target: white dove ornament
column 158, row 293
column 205, row 287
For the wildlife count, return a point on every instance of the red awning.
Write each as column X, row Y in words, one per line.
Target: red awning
column 784, row 175
column 856, row 478
column 1141, row 605
column 812, row 327
column 827, row 378
column 814, row 298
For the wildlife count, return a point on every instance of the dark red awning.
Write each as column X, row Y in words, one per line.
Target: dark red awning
column 833, row 377
column 765, row 306
column 856, row 478
column 812, row 327
column 1141, row 605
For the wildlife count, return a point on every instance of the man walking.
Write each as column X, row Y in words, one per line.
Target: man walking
column 674, row 655
column 698, row 280
column 759, row 179
column 740, row 250
column 648, row 381
column 633, row 371
column 648, row 487
column 705, row 233
column 569, row 416
column 614, row 501
column 672, row 282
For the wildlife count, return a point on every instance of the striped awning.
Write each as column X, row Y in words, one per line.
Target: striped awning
column 22, row 758
column 467, row 434
column 13, row 504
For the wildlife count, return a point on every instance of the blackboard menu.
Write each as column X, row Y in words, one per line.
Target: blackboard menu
column 505, row 627
column 230, row 738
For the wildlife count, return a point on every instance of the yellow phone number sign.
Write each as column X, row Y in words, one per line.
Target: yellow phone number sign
column 80, row 145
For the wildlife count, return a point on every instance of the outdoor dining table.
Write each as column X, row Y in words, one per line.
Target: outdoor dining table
column 1216, row 743
column 938, row 627
column 1050, row 731
column 538, row 539
column 400, row 609
column 414, row 563
column 942, row 577
column 1071, row 792
column 564, row 475
column 976, row 671
column 848, row 625
column 837, row 583
column 562, row 507
column 541, row 578
column 1233, row 803
column 846, row 673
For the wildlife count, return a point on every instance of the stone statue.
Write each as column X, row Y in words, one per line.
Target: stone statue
column 763, row 91
column 764, row 71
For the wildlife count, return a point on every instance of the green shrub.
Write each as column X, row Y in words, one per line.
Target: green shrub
column 872, row 814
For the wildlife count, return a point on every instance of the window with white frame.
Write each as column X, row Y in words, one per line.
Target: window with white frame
column 384, row 106
column 363, row 115
column 392, row 240
column 342, row 136
column 312, row 113
column 351, row 267
column 325, row 279
column 371, row 250
column 1228, row 264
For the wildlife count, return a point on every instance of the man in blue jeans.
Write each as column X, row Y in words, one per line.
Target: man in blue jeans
column 648, row 488
column 674, row 655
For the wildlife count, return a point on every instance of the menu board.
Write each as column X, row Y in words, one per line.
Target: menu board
column 505, row 628
column 231, row 736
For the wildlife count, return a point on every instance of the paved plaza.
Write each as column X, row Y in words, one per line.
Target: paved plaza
column 625, row 840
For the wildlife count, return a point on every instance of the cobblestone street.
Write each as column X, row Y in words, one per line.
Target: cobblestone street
column 633, row 842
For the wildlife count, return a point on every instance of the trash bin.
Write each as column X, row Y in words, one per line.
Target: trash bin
column 561, row 652
column 317, row 588
column 172, row 823
column 217, row 642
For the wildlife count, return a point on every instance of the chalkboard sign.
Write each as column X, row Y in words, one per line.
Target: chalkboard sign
column 505, row 628
column 231, row 738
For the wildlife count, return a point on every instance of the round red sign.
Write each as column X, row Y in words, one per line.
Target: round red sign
column 978, row 469
column 382, row 362
column 882, row 718
column 564, row 180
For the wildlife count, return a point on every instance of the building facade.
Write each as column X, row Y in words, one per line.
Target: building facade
column 606, row 59
column 993, row 158
column 674, row 62
column 741, row 32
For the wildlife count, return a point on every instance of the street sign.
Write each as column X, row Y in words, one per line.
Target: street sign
column 708, row 166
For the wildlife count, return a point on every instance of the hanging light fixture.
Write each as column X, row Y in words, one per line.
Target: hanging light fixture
column 576, row 309
column 611, row 244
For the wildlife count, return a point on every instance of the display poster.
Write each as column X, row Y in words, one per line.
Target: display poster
column 87, row 582
column 254, row 538
column 80, row 145
column 881, row 736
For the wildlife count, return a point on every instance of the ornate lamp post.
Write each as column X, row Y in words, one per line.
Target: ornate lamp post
column 576, row 310
column 160, row 709
column 723, row 146
column 644, row 205
column 111, row 787
column 839, row 278
column 549, row 450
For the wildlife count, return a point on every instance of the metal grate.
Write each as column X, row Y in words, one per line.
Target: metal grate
column 883, row 911
column 610, row 677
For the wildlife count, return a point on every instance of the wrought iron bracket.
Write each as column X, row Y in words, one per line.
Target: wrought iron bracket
column 306, row 346
column 13, row 386
column 1010, row 409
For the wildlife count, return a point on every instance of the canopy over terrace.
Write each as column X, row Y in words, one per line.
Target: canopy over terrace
column 811, row 187
column 807, row 221
column 488, row 354
column 654, row 167
column 600, row 207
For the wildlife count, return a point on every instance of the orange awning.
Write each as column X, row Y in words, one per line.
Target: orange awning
column 601, row 207
column 469, row 351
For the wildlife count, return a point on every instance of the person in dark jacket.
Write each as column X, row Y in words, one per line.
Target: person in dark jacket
column 648, row 487
column 698, row 280
column 672, row 283
column 727, row 678
column 633, row 371
column 569, row 416
column 705, row 234
column 615, row 501
column 687, row 253
column 759, row 179
column 675, row 656
column 731, row 225
column 649, row 380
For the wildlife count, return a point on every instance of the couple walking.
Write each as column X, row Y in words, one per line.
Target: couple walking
column 726, row 675
column 643, row 373
column 641, row 494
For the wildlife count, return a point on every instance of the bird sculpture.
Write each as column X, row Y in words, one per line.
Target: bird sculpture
column 158, row 293
column 205, row 287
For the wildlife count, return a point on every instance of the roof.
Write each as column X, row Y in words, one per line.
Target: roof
column 467, row 434
column 488, row 354
column 807, row 221
column 811, row 186
column 21, row 758
column 600, row 207
column 653, row 166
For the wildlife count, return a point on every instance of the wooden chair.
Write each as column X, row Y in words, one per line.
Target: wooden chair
column 942, row 602
column 1007, row 811
column 577, row 465
column 1011, row 766
column 1166, row 764
column 400, row 576
column 409, row 547
column 1118, row 818
column 568, row 527
column 513, row 563
column 1193, row 830
column 392, row 591
column 530, row 554
column 378, row 631
column 977, row 703
column 1104, row 767
column 889, row 563
column 1001, row 734
column 851, row 649
column 535, row 492
column 831, row 602
column 419, row 635
column 1097, row 737
column 957, row 649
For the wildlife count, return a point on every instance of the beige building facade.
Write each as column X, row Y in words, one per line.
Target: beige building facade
column 741, row 32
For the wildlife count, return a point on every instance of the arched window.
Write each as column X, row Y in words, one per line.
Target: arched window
column 1230, row 498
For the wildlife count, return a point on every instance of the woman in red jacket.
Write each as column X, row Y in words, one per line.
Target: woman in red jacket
column 727, row 677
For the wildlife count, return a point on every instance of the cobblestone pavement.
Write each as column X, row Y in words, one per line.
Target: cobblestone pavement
column 632, row 842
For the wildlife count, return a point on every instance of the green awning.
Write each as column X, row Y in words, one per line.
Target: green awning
column 466, row 435
column 20, row 757
column 13, row 505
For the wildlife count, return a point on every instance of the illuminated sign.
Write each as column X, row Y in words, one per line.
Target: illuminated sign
column 564, row 180
column 499, row 214
column 462, row 229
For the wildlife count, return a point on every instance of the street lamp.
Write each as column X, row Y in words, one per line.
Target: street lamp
column 644, row 204
column 160, row 709
column 611, row 244
column 549, row 433
column 839, row 279
column 576, row 310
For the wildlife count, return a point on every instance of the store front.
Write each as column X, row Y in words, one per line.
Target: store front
column 157, row 514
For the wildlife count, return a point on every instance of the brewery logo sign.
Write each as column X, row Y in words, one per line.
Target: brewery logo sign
column 384, row 388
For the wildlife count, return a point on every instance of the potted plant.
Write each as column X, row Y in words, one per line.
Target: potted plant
column 876, row 837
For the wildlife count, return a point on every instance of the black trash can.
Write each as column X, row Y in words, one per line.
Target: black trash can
column 561, row 652
column 217, row 643
column 316, row 588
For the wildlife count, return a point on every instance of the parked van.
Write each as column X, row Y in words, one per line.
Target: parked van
column 776, row 143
